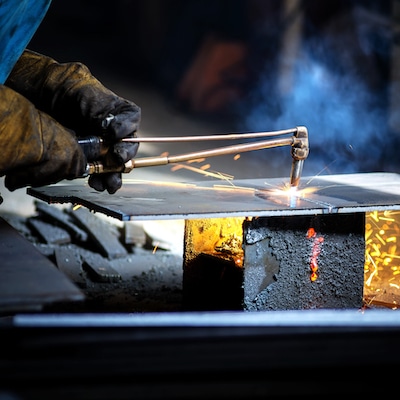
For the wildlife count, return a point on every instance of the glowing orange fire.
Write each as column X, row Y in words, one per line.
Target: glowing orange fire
column 316, row 250
column 382, row 259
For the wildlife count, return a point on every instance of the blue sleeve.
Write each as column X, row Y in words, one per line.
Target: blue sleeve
column 19, row 20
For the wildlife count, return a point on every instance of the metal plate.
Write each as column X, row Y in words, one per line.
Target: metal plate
column 248, row 197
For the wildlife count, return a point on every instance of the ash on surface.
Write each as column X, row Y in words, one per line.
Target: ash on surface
column 147, row 278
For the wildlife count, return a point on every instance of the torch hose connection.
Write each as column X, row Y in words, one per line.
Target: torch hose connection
column 298, row 141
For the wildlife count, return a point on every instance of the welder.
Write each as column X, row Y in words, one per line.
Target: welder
column 45, row 105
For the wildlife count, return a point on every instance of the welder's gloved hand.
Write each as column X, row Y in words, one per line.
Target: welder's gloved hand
column 75, row 98
column 117, row 126
column 117, row 155
column 36, row 149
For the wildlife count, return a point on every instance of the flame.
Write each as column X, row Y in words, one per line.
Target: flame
column 310, row 233
column 316, row 250
column 313, row 276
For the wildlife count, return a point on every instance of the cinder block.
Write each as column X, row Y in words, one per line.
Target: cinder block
column 304, row 262
column 274, row 263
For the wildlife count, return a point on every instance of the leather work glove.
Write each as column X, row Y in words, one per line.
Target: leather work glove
column 76, row 99
column 36, row 149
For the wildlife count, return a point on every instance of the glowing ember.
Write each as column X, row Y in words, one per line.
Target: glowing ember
column 311, row 233
column 316, row 250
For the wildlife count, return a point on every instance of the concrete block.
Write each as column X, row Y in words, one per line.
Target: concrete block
column 274, row 263
column 304, row 262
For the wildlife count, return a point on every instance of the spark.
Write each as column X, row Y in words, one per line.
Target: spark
column 218, row 175
column 293, row 192
column 320, row 172
column 235, row 188
column 379, row 237
column 155, row 247
column 374, row 272
column 197, row 160
column 160, row 183
column 205, row 167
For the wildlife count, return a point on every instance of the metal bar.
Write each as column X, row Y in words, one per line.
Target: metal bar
column 199, row 138
column 239, row 148
column 100, row 168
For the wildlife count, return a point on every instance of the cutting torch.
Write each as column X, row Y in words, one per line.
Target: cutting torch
column 95, row 147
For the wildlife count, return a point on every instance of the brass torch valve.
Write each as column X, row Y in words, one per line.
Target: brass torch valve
column 300, row 151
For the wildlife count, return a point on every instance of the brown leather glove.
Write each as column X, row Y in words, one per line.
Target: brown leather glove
column 76, row 99
column 36, row 149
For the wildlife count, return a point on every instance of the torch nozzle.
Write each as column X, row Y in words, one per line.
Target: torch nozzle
column 295, row 173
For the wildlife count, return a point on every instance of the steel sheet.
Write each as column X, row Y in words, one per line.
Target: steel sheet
column 144, row 200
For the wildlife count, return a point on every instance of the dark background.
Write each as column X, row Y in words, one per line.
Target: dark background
column 343, row 83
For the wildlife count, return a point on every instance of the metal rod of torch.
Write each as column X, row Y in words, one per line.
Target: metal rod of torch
column 97, row 167
column 201, row 138
column 299, row 143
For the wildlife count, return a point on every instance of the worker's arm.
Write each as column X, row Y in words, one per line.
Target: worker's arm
column 70, row 94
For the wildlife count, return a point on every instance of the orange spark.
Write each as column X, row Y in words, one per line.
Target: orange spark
column 218, row 175
column 155, row 247
column 197, row 160
column 205, row 167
